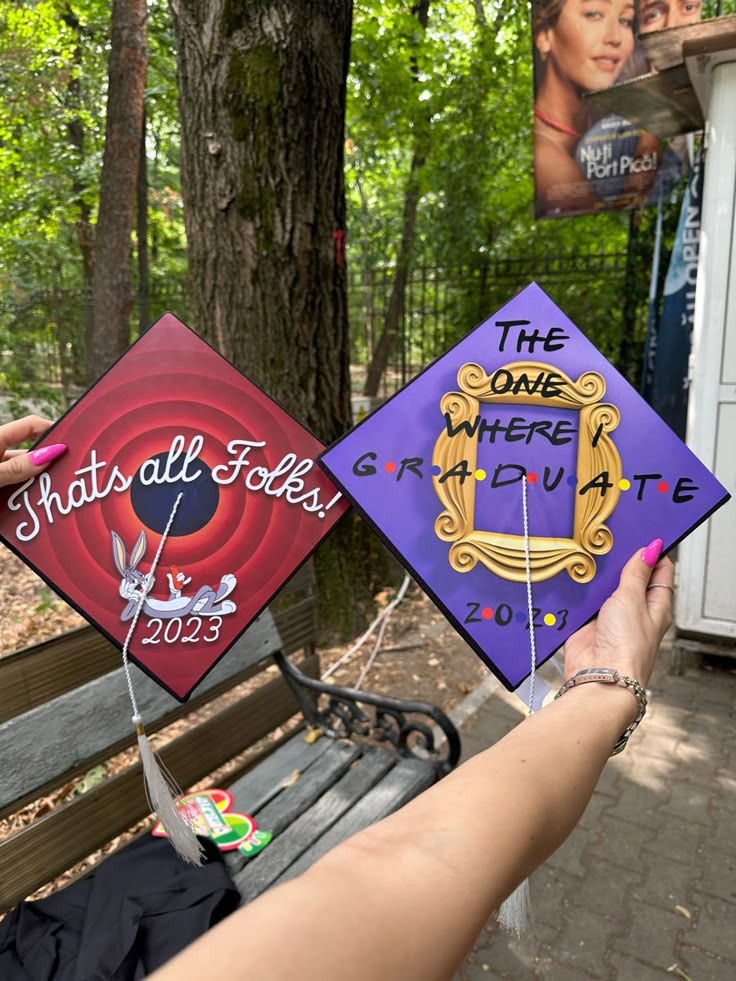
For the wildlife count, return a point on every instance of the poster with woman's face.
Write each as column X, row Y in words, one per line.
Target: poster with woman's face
column 585, row 162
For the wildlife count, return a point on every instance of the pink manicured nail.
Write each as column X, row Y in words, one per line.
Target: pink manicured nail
column 46, row 454
column 652, row 552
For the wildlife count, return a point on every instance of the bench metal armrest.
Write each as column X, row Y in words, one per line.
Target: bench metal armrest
column 343, row 717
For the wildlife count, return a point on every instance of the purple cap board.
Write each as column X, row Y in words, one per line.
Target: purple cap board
column 524, row 399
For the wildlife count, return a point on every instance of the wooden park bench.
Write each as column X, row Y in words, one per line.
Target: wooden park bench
column 64, row 710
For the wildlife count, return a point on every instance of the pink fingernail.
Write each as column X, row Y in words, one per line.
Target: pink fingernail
column 46, row 454
column 652, row 552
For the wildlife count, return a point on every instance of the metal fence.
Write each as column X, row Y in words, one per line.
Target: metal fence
column 442, row 304
column 43, row 337
column 43, row 342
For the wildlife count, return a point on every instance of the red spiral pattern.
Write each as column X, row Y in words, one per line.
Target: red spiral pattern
column 170, row 383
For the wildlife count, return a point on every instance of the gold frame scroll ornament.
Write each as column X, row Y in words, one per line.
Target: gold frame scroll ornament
column 504, row 554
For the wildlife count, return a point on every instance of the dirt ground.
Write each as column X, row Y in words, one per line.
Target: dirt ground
column 29, row 611
column 421, row 656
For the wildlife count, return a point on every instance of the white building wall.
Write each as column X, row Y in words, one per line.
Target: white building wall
column 706, row 594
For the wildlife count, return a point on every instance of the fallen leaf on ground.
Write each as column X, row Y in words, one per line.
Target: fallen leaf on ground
column 676, row 969
column 290, row 781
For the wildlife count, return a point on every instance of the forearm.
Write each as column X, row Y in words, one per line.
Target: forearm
column 523, row 796
column 469, row 841
column 407, row 897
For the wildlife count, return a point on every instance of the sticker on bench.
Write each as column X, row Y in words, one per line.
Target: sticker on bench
column 208, row 814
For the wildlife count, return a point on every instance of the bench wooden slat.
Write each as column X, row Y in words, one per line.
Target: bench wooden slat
column 54, row 843
column 31, row 676
column 262, row 871
column 297, row 625
column 64, row 708
column 407, row 779
column 294, row 800
column 260, row 785
column 41, row 747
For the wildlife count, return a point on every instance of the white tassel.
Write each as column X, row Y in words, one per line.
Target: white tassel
column 515, row 915
column 161, row 788
column 161, row 792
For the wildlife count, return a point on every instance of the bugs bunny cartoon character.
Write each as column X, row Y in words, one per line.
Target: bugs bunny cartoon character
column 205, row 602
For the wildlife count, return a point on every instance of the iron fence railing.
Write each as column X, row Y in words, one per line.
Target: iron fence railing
column 442, row 304
column 43, row 337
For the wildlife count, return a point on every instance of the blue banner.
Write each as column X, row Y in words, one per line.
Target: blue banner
column 669, row 376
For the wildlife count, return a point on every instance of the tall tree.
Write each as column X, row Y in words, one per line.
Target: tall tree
column 113, row 293
column 76, row 131
column 262, row 102
column 144, row 278
column 54, row 65
column 412, row 196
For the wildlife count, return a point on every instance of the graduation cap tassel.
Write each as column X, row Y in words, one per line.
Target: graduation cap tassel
column 161, row 788
column 515, row 915
column 161, row 792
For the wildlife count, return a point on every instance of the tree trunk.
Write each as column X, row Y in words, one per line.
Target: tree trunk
column 84, row 227
column 113, row 295
column 144, row 279
column 629, row 357
column 392, row 319
column 262, row 102
column 480, row 13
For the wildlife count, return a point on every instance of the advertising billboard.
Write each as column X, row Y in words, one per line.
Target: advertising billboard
column 586, row 162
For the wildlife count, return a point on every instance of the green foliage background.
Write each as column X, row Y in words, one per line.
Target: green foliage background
column 461, row 91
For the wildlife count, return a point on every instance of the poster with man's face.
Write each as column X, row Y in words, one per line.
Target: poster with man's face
column 586, row 162
column 658, row 15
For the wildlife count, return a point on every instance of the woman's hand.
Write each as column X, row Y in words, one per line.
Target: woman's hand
column 18, row 465
column 630, row 626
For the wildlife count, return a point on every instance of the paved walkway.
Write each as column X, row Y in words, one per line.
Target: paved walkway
column 645, row 887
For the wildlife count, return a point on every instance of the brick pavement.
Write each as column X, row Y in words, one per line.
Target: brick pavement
column 645, row 887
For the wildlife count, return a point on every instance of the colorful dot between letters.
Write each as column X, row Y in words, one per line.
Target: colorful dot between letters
column 503, row 615
column 681, row 490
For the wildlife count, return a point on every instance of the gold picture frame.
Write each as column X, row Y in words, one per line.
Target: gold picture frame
column 505, row 554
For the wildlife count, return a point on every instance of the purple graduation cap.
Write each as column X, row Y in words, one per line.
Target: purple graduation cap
column 438, row 471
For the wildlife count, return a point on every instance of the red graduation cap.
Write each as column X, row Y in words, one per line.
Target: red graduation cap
column 186, row 499
column 172, row 417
